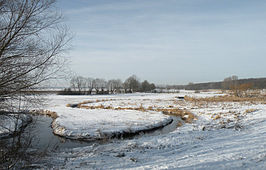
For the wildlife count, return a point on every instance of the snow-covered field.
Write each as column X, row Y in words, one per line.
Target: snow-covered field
column 100, row 124
column 91, row 124
column 226, row 135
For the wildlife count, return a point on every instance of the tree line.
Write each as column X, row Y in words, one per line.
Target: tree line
column 80, row 85
column 227, row 84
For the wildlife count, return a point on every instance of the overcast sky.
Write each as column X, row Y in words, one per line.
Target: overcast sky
column 167, row 41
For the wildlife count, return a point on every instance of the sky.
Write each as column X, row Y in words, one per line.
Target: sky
column 167, row 41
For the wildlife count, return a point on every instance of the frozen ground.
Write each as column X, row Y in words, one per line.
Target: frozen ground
column 226, row 136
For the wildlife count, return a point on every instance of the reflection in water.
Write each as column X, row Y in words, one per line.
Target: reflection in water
column 45, row 139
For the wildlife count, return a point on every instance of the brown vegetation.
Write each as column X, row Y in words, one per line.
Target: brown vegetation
column 215, row 117
column 240, row 90
column 226, row 98
column 45, row 112
column 250, row 110
column 185, row 115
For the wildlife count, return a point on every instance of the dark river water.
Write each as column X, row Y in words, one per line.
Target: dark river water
column 43, row 138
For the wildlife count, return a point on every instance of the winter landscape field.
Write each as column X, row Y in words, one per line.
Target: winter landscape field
column 132, row 84
column 213, row 131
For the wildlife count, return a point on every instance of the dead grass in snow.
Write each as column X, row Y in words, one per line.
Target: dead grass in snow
column 45, row 112
column 226, row 98
column 185, row 115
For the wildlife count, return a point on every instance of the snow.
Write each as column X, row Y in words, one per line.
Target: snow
column 235, row 140
column 76, row 123
column 100, row 123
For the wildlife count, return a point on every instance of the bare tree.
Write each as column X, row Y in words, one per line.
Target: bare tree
column 114, row 84
column 146, row 86
column 32, row 41
column 230, row 82
column 78, row 83
column 99, row 83
column 132, row 83
column 89, row 83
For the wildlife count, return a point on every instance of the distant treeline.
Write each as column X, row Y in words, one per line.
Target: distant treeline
column 85, row 86
column 257, row 83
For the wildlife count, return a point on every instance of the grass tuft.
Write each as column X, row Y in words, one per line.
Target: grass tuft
column 45, row 112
